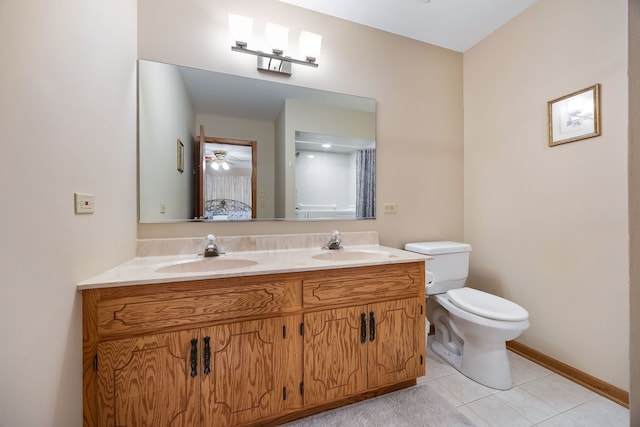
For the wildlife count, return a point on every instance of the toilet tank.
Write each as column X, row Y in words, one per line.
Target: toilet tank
column 450, row 264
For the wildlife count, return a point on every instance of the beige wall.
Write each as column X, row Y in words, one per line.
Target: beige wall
column 549, row 226
column 634, row 204
column 67, row 124
column 419, row 111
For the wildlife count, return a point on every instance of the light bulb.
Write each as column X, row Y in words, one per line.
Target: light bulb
column 225, row 166
column 240, row 29
column 310, row 45
column 277, row 37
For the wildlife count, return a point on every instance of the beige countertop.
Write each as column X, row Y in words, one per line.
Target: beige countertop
column 255, row 255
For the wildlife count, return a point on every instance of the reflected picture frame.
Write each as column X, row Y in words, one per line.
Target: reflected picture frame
column 575, row 116
column 180, row 156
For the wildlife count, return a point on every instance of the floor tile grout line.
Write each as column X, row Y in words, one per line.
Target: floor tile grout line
column 477, row 415
column 533, row 423
column 566, row 413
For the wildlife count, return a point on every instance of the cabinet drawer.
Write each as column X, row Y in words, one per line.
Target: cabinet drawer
column 170, row 307
column 355, row 285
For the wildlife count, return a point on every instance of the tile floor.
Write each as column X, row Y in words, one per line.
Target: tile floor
column 539, row 397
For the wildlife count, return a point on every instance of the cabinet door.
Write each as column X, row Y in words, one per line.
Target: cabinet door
column 397, row 346
column 147, row 381
column 256, row 369
column 335, row 354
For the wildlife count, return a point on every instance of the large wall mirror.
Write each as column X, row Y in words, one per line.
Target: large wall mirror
column 219, row 147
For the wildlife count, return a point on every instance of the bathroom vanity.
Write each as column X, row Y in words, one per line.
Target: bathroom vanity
column 173, row 340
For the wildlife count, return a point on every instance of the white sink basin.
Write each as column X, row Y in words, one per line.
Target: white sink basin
column 204, row 265
column 347, row 255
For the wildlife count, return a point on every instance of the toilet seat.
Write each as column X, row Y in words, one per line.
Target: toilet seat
column 487, row 305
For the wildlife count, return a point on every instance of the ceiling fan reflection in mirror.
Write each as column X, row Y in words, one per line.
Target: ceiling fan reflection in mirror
column 225, row 157
column 218, row 159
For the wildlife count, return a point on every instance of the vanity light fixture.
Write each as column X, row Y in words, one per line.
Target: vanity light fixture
column 277, row 38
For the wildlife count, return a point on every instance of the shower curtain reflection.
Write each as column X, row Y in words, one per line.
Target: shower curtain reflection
column 366, row 183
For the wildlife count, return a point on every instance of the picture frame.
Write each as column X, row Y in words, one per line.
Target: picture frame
column 180, row 156
column 575, row 116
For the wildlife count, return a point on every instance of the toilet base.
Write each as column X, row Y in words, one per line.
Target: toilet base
column 487, row 367
column 451, row 358
column 488, row 364
column 481, row 357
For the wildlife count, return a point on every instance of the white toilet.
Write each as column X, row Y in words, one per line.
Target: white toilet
column 471, row 326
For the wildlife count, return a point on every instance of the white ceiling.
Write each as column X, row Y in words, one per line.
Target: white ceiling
column 230, row 95
column 452, row 24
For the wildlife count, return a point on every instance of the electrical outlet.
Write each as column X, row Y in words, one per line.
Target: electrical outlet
column 390, row 208
column 84, row 203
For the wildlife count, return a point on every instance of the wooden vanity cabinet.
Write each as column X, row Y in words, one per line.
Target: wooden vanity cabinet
column 350, row 350
column 252, row 350
column 203, row 353
column 396, row 351
column 362, row 347
column 239, row 374
column 255, row 371
column 147, row 381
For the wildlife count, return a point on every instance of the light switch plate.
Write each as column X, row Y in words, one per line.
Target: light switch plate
column 84, row 203
column 390, row 208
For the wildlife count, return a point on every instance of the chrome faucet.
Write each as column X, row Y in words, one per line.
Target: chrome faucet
column 212, row 248
column 335, row 242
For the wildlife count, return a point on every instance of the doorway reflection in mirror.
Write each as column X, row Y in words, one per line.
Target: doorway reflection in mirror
column 227, row 183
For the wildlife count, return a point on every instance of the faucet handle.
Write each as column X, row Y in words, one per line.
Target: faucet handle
column 335, row 241
column 211, row 249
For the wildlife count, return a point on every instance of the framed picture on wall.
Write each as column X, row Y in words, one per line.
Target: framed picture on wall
column 575, row 116
column 180, row 156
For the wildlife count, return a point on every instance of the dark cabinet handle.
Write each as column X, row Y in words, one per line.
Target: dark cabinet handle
column 207, row 356
column 363, row 328
column 194, row 357
column 372, row 326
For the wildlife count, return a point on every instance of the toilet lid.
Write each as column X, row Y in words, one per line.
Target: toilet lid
column 487, row 305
